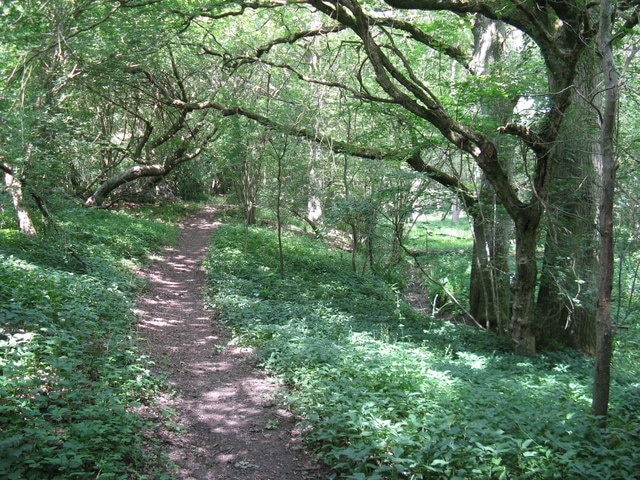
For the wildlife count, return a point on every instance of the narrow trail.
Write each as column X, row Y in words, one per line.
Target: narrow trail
column 234, row 427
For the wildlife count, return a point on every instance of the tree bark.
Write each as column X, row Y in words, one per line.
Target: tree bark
column 524, row 283
column 134, row 173
column 566, row 299
column 601, row 386
column 16, row 191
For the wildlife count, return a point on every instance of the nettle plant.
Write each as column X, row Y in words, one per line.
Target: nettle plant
column 386, row 393
column 70, row 373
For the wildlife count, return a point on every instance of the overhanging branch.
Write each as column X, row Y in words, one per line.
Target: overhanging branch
column 413, row 159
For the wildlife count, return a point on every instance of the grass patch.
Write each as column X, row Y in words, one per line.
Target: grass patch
column 388, row 394
column 70, row 373
column 436, row 234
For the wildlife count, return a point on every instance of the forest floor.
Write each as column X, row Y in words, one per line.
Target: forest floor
column 232, row 424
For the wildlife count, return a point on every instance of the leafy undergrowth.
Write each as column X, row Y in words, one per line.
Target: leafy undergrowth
column 70, row 374
column 388, row 394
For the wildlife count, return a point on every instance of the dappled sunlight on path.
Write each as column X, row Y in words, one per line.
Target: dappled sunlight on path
column 234, row 426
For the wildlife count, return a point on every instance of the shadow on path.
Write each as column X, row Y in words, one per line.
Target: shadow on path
column 234, row 427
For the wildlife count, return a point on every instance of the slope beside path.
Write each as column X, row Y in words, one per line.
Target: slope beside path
column 233, row 425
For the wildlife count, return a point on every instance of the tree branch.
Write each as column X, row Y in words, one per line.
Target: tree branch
column 241, row 7
column 294, row 37
column 413, row 159
column 530, row 138
column 420, row 101
column 359, row 94
column 6, row 168
column 430, row 41
column 452, row 183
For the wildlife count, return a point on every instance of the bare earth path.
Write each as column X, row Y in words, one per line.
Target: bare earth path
column 233, row 425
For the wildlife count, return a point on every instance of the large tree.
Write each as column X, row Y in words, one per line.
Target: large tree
column 562, row 32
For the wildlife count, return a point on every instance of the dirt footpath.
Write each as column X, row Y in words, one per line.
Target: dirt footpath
column 233, row 425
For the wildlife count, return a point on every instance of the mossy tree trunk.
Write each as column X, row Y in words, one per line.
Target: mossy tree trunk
column 566, row 300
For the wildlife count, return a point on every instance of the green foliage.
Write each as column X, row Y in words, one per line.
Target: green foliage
column 70, row 372
column 387, row 394
column 193, row 182
column 444, row 249
column 97, row 242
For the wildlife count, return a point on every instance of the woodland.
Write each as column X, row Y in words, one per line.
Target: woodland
column 431, row 225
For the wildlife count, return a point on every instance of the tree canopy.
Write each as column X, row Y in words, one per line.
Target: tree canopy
column 358, row 114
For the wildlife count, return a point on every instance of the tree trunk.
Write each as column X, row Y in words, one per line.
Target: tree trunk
column 355, row 241
column 15, row 189
column 247, row 188
column 314, row 182
column 250, row 213
column 600, row 401
column 455, row 213
column 133, row 173
column 279, row 181
column 566, row 299
column 524, row 284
